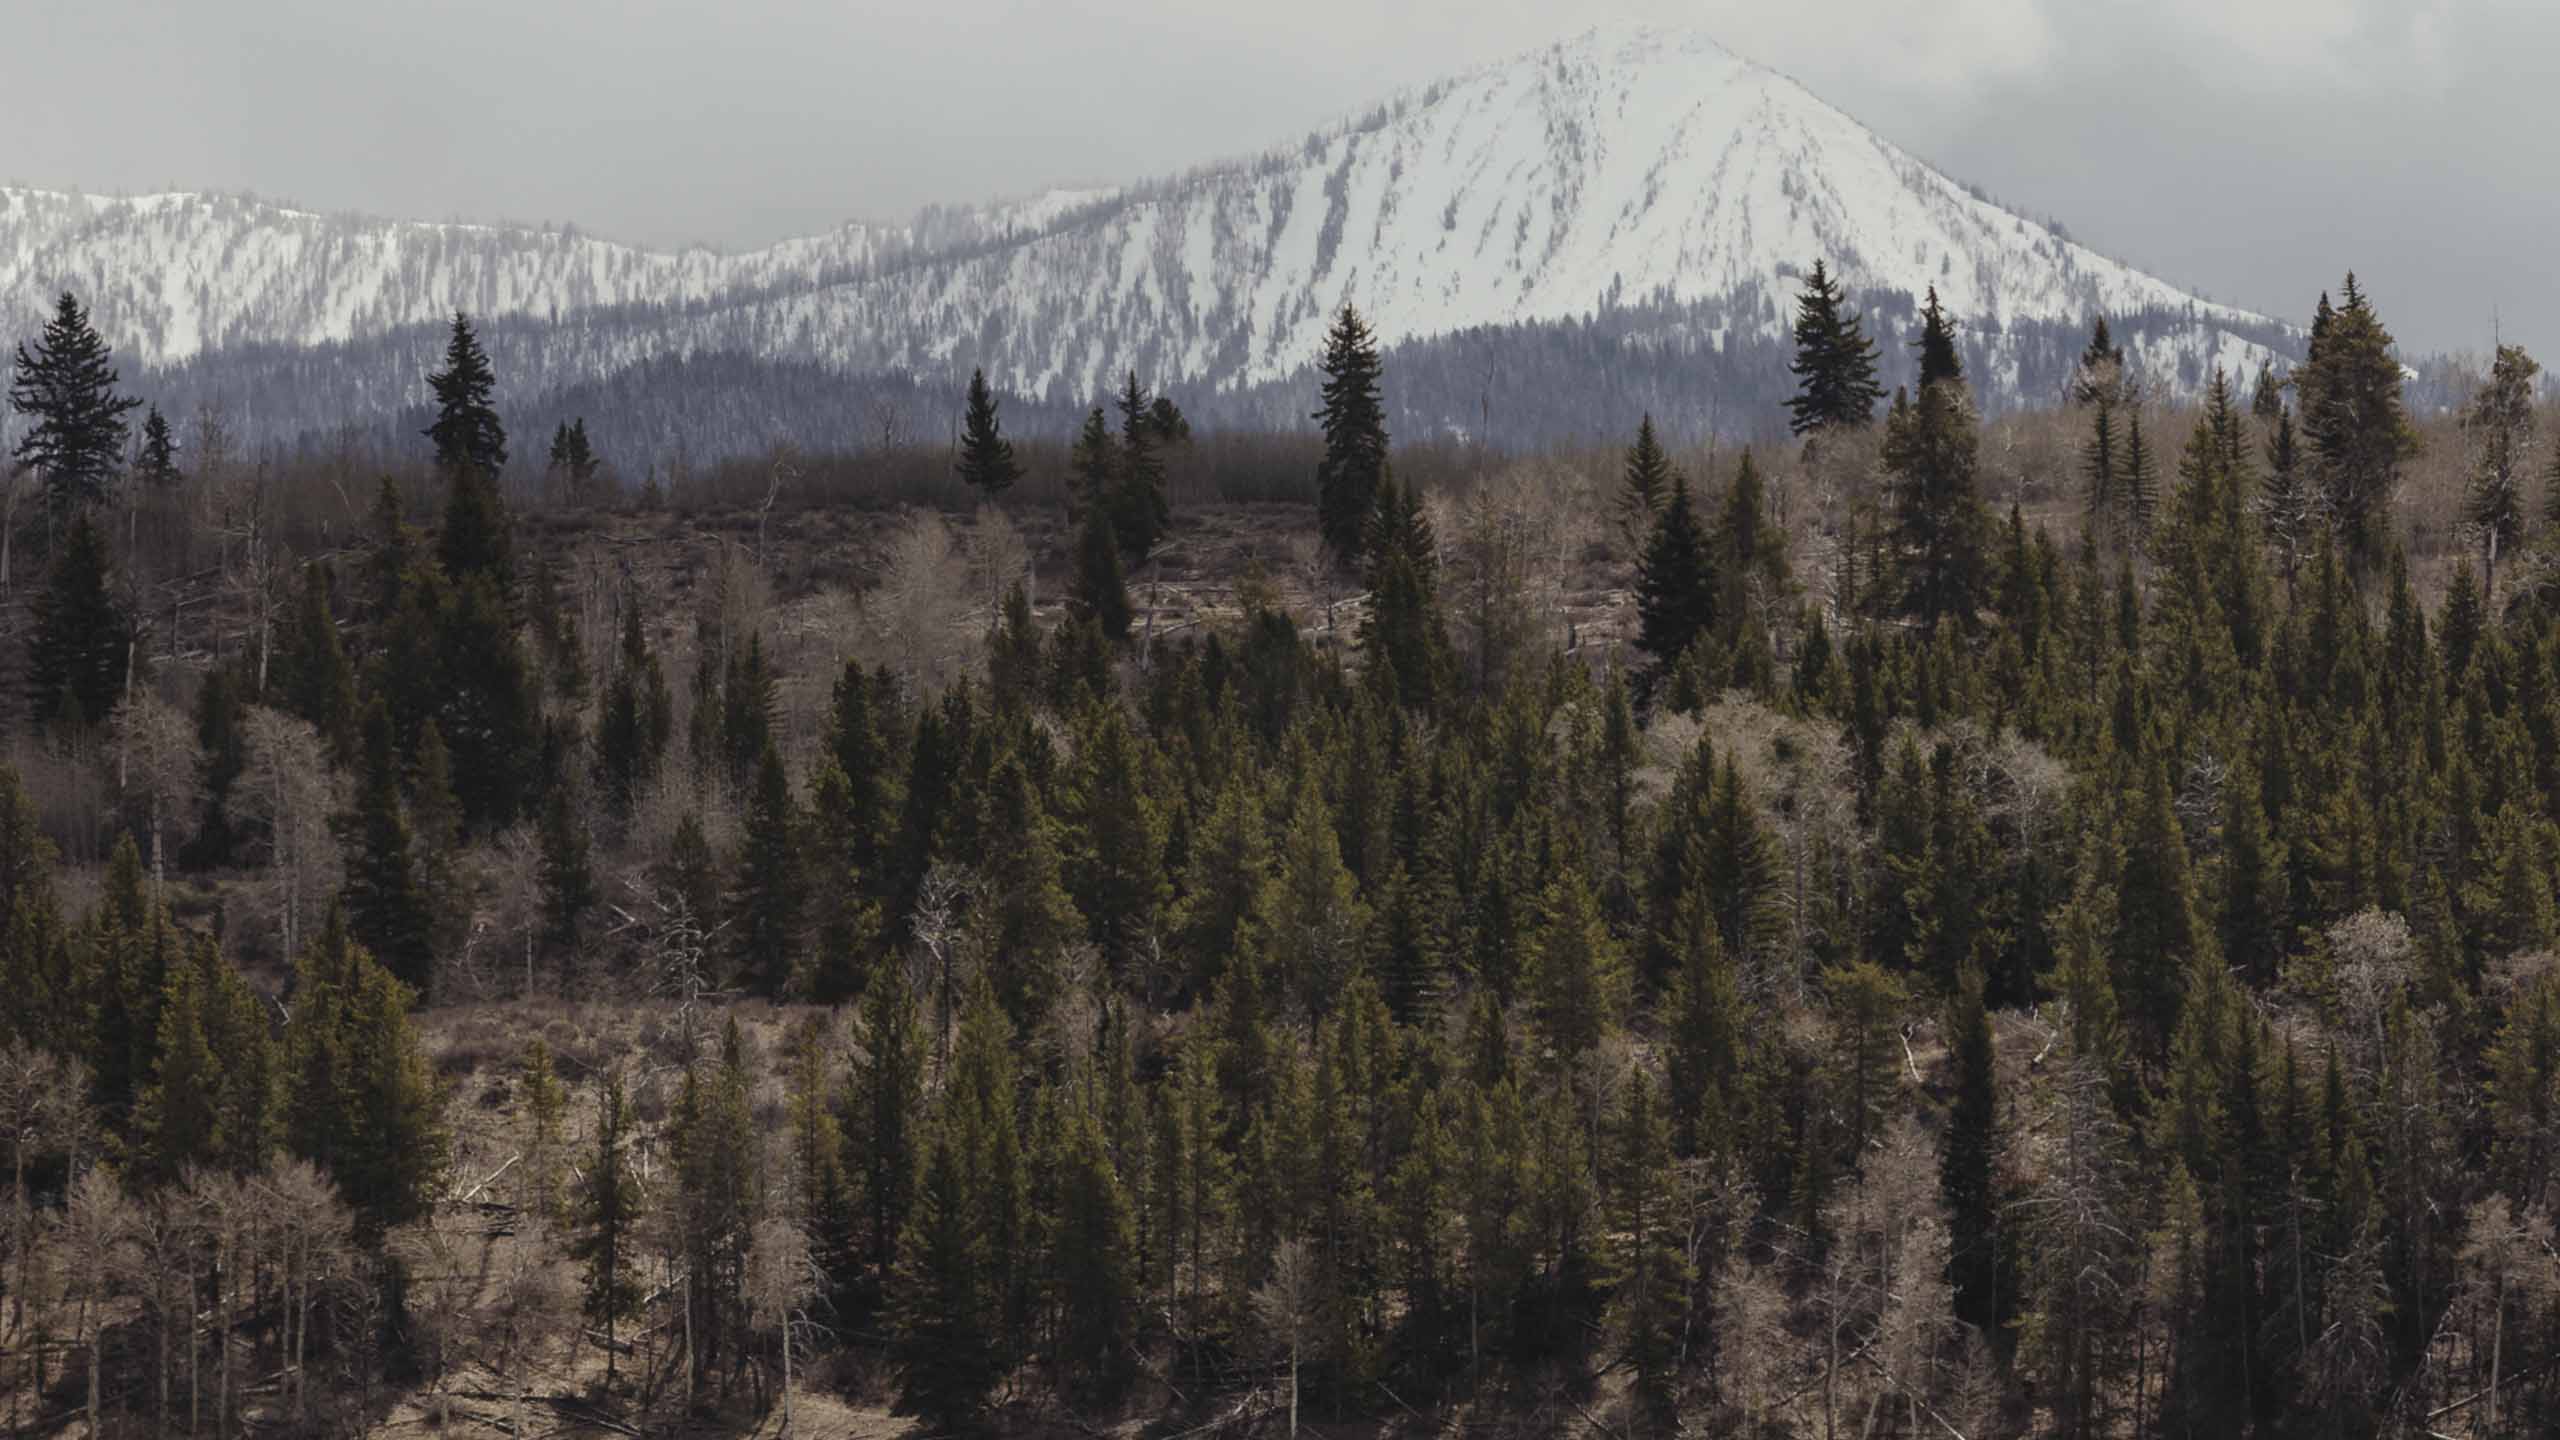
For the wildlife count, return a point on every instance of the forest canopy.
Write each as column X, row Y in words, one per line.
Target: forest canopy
column 1934, row 925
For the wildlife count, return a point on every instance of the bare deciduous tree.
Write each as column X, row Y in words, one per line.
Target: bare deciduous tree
column 2507, row 1262
column 95, row 1232
column 919, row 611
column 1283, row 1309
column 313, row 1240
column 998, row 556
column 43, row 1109
column 781, row 1277
column 290, row 786
column 159, row 761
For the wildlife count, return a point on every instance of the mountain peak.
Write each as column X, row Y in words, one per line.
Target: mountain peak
column 1638, row 176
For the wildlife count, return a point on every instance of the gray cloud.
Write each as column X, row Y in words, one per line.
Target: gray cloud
column 2254, row 151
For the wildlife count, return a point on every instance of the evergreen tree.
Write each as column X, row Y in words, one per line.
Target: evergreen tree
column 1702, row 1020
column 568, row 879
column 948, row 1323
column 861, row 724
column 177, row 1120
column 2159, row 935
column 467, row 434
column 1577, row 974
column 386, row 904
column 2267, row 402
column 84, row 646
column 435, row 823
column 986, row 457
column 1675, row 584
column 609, row 1216
column 573, row 464
column 770, row 892
column 1835, row 362
column 1939, row 363
column 1653, row 1267
column 2289, row 503
column 1026, row 912
column 360, row 1098
column 2100, row 385
column 1939, row 533
column 884, row 1102
column 471, row 451
column 2500, row 419
column 1093, row 465
column 1646, row 484
column 1139, row 511
column 2138, row 487
column 749, row 702
column 484, row 704
column 2353, row 417
column 1117, row 877
column 1353, row 418
column 158, row 466
column 310, row 675
column 1968, row 1167
column 1402, row 638
column 632, row 726
column 1100, row 595
column 66, row 387
column 1092, row 1241
column 240, row 1034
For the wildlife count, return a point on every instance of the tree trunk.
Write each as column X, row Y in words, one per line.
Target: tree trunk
column 2497, row 1354
column 1291, row 1382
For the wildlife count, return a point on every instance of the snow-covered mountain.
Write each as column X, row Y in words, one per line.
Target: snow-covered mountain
column 1644, row 179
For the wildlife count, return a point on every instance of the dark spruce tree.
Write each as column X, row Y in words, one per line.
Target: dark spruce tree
column 386, row 903
column 1139, row 511
column 1939, row 361
column 2353, row 416
column 82, row 649
column 1675, row 585
column 1101, row 592
column 158, row 466
column 770, row 896
column 466, row 432
column 566, row 874
column 1093, row 465
column 1355, row 435
column 66, row 387
column 986, row 457
column 2267, row 402
column 1835, row 364
column 1401, row 638
column 632, row 727
column 1938, row 533
column 1646, row 482
column 573, row 465
column 471, row 450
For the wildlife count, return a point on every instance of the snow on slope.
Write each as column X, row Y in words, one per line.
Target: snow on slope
column 168, row 276
column 1625, row 167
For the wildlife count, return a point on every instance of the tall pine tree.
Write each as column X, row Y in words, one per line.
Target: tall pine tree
column 1835, row 362
column 1355, row 435
column 986, row 457
column 66, row 387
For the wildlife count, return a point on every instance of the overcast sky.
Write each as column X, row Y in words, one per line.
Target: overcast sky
column 2253, row 149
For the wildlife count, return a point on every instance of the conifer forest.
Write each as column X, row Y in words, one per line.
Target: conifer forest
column 1932, row 924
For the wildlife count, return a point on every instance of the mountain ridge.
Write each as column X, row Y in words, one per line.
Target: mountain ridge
column 1649, row 175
